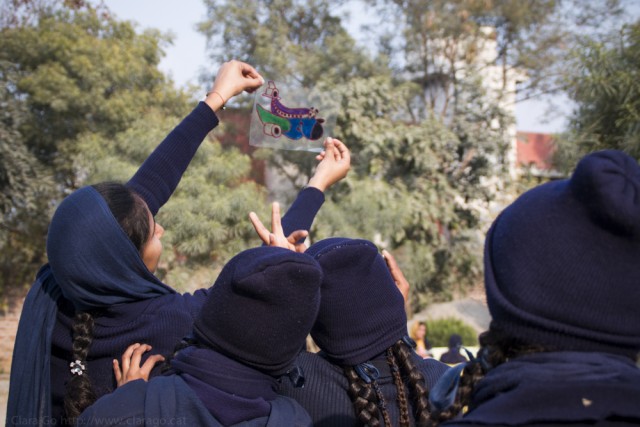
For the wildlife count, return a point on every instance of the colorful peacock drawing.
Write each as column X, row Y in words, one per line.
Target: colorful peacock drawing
column 294, row 123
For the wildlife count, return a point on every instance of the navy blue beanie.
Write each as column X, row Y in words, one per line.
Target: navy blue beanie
column 361, row 311
column 261, row 308
column 562, row 262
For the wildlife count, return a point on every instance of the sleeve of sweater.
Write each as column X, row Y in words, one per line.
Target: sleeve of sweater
column 160, row 174
column 303, row 211
column 123, row 407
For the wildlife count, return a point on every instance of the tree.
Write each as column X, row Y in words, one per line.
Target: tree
column 25, row 189
column 404, row 191
column 81, row 70
column 606, row 91
column 86, row 102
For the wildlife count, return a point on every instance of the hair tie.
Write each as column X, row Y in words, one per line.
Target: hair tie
column 367, row 372
column 77, row 368
column 296, row 376
column 483, row 359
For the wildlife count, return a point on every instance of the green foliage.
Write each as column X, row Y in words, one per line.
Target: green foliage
column 402, row 192
column 606, row 90
column 25, row 191
column 303, row 40
column 83, row 102
column 82, row 71
column 440, row 330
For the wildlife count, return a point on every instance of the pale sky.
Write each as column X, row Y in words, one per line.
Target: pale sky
column 186, row 57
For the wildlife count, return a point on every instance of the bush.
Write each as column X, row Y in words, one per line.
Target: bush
column 439, row 331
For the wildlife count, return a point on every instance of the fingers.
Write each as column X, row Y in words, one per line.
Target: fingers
column 396, row 273
column 126, row 357
column 276, row 222
column 232, row 78
column 343, row 151
column 131, row 368
column 137, row 355
column 254, row 79
column 297, row 235
column 249, row 71
column 262, row 231
column 300, row 248
column 116, row 370
column 329, row 148
column 148, row 365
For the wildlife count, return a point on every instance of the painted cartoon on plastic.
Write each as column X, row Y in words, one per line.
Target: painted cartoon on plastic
column 293, row 123
column 287, row 117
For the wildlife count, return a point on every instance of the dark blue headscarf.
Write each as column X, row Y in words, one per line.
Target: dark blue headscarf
column 93, row 264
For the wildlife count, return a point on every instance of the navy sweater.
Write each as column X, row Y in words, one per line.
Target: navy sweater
column 325, row 396
column 162, row 321
column 169, row 401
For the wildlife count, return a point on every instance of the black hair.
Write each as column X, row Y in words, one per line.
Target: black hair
column 368, row 402
column 129, row 209
column 79, row 390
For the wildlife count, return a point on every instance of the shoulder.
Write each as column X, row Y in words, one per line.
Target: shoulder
column 431, row 369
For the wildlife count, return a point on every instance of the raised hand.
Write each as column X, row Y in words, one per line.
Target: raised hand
column 233, row 78
column 335, row 162
column 276, row 237
column 131, row 369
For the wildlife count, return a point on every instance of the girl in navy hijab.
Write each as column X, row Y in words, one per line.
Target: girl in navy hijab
column 562, row 278
column 98, row 293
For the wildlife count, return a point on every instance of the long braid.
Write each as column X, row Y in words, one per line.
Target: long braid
column 415, row 383
column 79, row 390
column 403, row 405
column 363, row 397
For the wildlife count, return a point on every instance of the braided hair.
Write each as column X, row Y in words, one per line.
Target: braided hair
column 405, row 367
column 496, row 348
column 412, row 392
column 79, row 390
column 367, row 399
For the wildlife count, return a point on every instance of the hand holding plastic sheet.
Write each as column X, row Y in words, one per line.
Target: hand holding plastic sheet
column 291, row 118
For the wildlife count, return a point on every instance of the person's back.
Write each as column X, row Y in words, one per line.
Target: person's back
column 325, row 394
column 227, row 374
column 369, row 373
column 561, row 278
column 162, row 321
column 452, row 356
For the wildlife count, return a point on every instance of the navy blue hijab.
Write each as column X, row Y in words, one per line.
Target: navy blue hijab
column 93, row 264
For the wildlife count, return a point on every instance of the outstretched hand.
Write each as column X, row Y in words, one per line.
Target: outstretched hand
column 276, row 237
column 131, row 369
column 233, row 78
column 398, row 276
column 335, row 162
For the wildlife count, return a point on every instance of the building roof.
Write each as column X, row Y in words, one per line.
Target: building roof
column 535, row 150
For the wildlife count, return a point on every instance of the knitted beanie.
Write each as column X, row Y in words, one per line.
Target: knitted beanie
column 361, row 310
column 562, row 262
column 261, row 308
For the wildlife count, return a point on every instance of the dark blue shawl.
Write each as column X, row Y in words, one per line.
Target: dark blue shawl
column 556, row 388
column 92, row 263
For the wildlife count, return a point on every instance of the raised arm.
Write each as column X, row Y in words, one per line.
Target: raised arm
column 159, row 175
column 335, row 162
